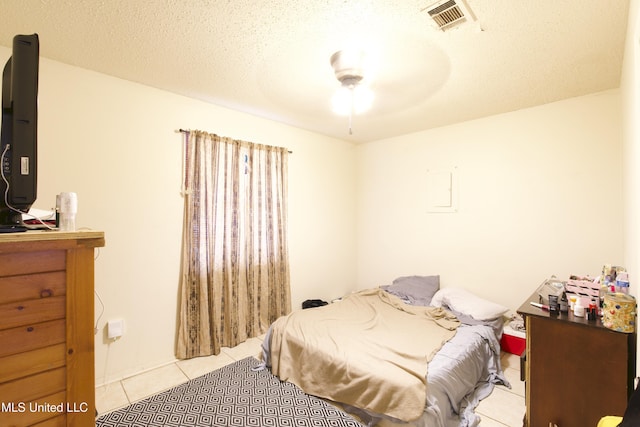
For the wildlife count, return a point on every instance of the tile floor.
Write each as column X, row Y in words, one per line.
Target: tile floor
column 505, row 407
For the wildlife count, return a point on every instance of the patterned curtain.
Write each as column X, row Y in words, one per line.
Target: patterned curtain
column 235, row 264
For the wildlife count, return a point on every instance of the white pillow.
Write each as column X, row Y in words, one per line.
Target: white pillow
column 465, row 302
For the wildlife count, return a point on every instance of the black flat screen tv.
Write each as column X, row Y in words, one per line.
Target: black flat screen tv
column 19, row 137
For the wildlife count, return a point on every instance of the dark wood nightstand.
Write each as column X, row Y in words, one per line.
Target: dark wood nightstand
column 576, row 370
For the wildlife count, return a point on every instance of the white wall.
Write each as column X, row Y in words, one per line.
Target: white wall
column 539, row 194
column 631, row 148
column 115, row 144
column 630, row 86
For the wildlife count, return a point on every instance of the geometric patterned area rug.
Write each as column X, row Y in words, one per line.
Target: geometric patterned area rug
column 233, row 395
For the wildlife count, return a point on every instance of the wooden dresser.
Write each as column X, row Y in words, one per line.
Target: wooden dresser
column 47, row 328
column 576, row 371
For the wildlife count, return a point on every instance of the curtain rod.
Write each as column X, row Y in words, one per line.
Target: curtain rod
column 186, row 131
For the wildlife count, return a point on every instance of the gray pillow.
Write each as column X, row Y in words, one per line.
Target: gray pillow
column 414, row 290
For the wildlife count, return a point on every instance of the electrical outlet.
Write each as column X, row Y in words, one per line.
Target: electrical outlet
column 115, row 328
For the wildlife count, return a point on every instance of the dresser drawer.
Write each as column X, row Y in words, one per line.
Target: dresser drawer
column 34, row 387
column 57, row 421
column 32, row 362
column 32, row 337
column 32, row 286
column 23, row 313
column 14, row 264
column 26, row 415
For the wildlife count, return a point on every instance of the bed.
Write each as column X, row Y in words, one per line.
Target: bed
column 408, row 353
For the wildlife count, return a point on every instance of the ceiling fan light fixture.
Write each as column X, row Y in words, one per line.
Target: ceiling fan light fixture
column 354, row 99
column 348, row 66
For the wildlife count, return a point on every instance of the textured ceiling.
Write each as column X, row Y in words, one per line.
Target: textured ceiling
column 271, row 58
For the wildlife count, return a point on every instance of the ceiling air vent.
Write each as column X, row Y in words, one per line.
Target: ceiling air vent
column 449, row 13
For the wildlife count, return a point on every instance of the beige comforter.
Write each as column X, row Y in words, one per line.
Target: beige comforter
column 369, row 350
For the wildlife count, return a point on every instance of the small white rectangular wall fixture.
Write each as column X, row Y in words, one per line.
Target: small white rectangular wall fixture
column 115, row 328
column 442, row 190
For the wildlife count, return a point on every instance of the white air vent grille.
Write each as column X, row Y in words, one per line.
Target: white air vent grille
column 447, row 14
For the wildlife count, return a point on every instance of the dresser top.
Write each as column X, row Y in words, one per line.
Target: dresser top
column 526, row 309
column 45, row 239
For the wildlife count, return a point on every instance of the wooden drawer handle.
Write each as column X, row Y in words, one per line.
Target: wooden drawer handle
column 46, row 293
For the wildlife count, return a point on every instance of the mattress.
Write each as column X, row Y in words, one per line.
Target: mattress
column 462, row 371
